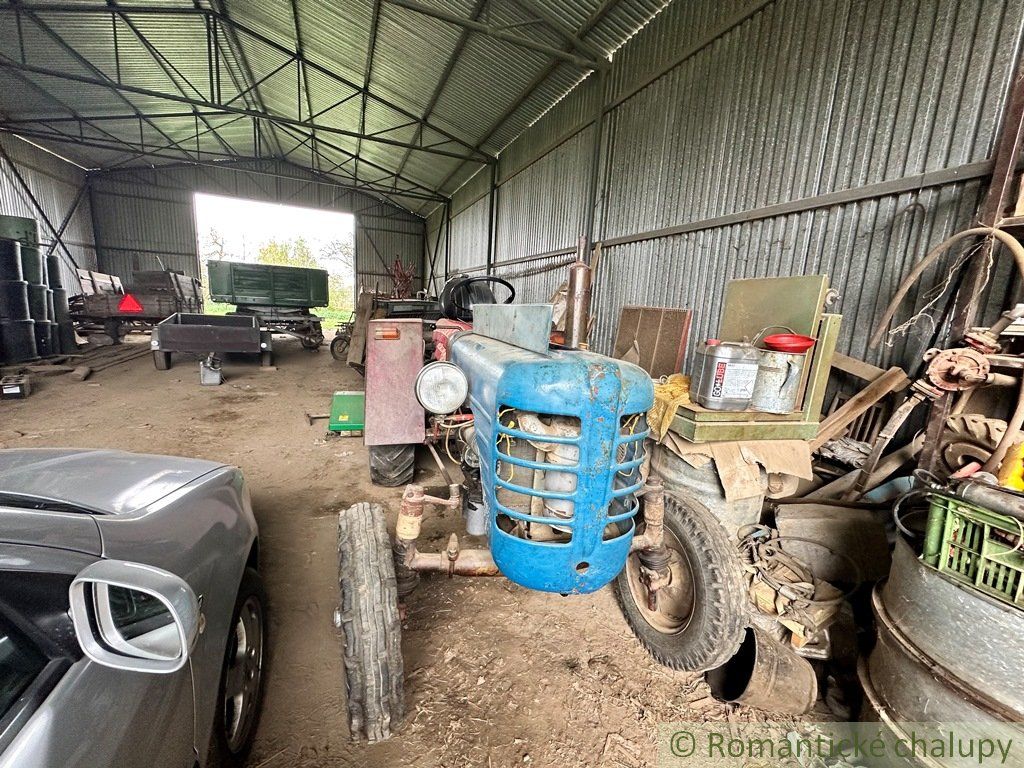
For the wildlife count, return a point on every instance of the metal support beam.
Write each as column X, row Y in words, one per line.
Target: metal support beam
column 492, row 216
column 237, row 28
column 280, row 120
column 595, row 158
column 555, row 24
column 495, row 32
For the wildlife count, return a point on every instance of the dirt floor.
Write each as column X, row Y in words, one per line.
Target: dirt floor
column 496, row 675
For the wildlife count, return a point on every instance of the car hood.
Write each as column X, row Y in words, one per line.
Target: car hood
column 113, row 482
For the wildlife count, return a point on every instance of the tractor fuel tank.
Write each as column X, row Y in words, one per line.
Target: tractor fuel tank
column 560, row 436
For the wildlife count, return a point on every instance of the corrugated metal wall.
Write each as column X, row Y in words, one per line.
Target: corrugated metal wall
column 55, row 184
column 145, row 217
column 760, row 138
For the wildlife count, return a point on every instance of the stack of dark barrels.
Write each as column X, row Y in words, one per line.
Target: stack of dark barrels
column 34, row 318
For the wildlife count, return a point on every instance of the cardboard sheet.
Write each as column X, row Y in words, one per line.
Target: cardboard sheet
column 739, row 462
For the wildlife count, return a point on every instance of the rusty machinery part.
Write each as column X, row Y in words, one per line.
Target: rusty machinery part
column 967, row 438
column 701, row 614
column 1014, row 246
column 956, row 370
column 369, row 620
column 987, row 340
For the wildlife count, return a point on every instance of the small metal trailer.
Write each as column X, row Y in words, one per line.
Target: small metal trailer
column 208, row 334
column 105, row 307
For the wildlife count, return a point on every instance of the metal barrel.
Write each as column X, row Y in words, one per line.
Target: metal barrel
column 766, row 675
column 33, row 266
column 18, row 339
column 45, row 332
column 50, row 313
column 37, row 308
column 61, row 311
column 10, row 260
column 14, row 300
column 66, row 337
column 53, row 271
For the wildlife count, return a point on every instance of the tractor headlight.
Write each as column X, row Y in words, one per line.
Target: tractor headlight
column 441, row 387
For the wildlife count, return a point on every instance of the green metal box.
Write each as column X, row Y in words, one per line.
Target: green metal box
column 347, row 412
column 267, row 285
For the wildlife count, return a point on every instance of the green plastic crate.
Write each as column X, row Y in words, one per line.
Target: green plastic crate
column 973, row 545
column 347, row 412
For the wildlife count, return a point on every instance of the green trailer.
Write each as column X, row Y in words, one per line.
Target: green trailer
column 280, row 297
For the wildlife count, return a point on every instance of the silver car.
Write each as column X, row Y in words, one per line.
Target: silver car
column 132, row 616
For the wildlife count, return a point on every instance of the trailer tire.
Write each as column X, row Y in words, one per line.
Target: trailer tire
column 162, row 360
column 707, row 578
column 370, row 623
column 339, row 348
column 392, row 465
column 266, row 358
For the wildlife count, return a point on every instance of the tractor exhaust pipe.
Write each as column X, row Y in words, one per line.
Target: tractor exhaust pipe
column 577, row 307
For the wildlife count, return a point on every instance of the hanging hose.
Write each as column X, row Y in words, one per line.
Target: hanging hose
column 1016, row 249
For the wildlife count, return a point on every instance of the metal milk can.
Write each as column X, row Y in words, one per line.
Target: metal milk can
column 778, row 381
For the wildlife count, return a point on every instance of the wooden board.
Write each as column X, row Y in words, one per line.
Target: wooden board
column 659, row 333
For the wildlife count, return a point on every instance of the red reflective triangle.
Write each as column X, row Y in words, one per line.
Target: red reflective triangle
column 129, row 304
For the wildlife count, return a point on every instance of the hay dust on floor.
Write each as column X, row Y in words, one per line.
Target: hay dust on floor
column 496, row 675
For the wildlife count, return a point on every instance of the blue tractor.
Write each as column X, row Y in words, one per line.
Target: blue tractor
column 556, row 495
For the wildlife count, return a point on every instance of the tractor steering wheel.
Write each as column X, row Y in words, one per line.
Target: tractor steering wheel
column 463, row 287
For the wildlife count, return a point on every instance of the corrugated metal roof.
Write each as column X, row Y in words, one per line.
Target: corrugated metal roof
column 421, row 98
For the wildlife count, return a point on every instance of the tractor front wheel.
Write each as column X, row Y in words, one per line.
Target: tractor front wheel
column 698, row 620
column 369, row 619
column 392, row 465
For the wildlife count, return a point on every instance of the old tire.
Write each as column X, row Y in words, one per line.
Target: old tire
column 162, row 360
column 968, row 437
column 266, row 358
column 700, row 619
column 392, row 465
column 370, row 623
column 237, row 715
column 339, row 348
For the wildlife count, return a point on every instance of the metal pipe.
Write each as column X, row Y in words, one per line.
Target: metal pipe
column 577, row 311
column 468, row 562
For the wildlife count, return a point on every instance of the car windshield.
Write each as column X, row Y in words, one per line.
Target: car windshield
column 20, row 663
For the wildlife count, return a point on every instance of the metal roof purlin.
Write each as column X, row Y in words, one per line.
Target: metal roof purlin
column 495, row 32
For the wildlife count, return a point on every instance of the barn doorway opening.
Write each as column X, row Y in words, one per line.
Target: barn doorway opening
column 237, row 229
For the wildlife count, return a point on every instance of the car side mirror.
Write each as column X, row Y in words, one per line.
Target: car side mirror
column 133, row 616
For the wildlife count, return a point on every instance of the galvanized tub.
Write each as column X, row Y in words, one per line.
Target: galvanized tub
column 960, row 629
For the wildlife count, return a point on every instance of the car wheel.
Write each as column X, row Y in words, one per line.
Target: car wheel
column 369, row 620
column 240, row 696
column 392, row 465
column 700, row 618
column 162, row 360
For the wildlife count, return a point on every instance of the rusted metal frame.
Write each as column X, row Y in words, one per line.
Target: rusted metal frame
column 534, row 84
column 449, row 67
column 66, row 46
column 170, row 70
column 491, row 31
column 998, row 197
column 33, row 200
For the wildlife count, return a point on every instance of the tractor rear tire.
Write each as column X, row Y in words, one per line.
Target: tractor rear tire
column 392, row 465
column 370, row 623
column 700, row 624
